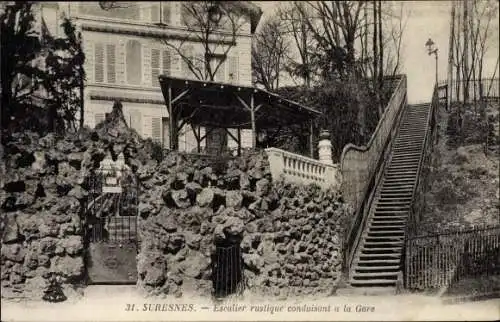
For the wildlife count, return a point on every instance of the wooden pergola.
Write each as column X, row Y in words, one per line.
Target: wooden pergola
column 219, row 105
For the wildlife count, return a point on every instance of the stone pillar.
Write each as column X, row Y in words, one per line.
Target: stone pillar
column 325, row 148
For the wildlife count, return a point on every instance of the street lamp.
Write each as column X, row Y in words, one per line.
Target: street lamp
column 214, row 14
column 433, row 50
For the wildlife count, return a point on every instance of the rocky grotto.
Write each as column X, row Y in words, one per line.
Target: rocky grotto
column 289, row 236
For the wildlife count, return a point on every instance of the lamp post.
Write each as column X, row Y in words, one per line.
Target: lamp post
column 433, row 50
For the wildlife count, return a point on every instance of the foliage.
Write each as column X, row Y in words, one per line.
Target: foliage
column 340, row 103
column 40, row 73
column 269, row 52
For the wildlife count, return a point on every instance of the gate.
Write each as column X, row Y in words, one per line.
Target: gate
column 227, row 270
column 111, row 225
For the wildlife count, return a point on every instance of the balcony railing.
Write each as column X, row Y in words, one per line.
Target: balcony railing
column 303, row 170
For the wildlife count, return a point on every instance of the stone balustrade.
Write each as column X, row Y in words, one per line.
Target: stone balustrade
column 303, row 170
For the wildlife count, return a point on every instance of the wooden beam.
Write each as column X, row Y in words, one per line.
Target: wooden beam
column 258, row 107
column 207, row 132
column 252, row 118
column 245, row 105
column 239, row 141
column 178, row 97
column 172, row 122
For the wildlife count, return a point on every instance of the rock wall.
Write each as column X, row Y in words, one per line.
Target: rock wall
column 290, row 236
column 42, row 196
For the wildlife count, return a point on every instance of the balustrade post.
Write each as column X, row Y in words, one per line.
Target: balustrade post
column 325, row 148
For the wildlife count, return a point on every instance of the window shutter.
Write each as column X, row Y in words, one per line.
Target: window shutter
column 156, row 129
column 187, row 53
column 99, row 63
column 136, row 121
column 165, row 12
column 166, row 63
column 233, row 69
column 99, row 117
column 155, row 12
column 155, row 67
column 199, row 63
column 220, row 75
column 110, row 63
column 134, row 62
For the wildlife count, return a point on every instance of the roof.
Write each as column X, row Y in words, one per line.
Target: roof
column 219, row 105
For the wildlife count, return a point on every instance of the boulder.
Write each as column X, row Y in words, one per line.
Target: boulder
column 13, row 252
column 205, row 197
column 10, row 231
column 254, row 262
column 262, row 187
column 181, row 198
column 234, row 199
column 70, row 267
column 73, row 245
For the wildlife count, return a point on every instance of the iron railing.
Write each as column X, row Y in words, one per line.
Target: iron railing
column 227, row 271
column 422, row 176
column 435, row 261
column 361, row 168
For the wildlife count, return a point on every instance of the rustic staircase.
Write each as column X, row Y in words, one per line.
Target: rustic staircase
column 378, row 258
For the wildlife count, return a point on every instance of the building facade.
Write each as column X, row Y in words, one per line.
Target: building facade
column 125, row 53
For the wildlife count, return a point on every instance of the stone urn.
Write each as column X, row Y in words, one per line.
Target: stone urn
column 325, row 148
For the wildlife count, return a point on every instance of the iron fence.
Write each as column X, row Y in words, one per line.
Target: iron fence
column 478, row 89
column 435, row 261
column 227, row 271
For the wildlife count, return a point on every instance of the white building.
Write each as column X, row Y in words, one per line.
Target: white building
column 125, row 52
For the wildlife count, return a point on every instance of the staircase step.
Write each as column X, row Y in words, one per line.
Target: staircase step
column 378, row 268
column 386, row 275
column 385, row 233
column 378, row 262
column 381, row 249
column 383, row 238
column 374, row 282
column 381, row 244
column 385, row 227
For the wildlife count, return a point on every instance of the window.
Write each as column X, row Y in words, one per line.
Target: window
column 99, row 63
column 98, row 118
column 134, row 62
column 136, row 121
column 161, row 63
column 219, row 67
column 110, row 63
column 161, row 12
column 156, row 124
column 105, row 63
column 233, row 75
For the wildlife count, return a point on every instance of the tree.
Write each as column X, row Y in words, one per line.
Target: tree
column 41, row 75
column 294, row 17
column 213, row 24
column 269, row 51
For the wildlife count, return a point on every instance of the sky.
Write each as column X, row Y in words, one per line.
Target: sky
column 427, row 19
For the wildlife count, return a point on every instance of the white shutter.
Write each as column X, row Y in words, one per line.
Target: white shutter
column 98, row 118
column 99, row 63
column 233, row 69
column 166, row 12
column 166, row 63
column 111, row 63
column 199, row 63
column 220, row 74
column 187, row 53
column 155, row 67
column 155, row 12
column 156, row 129
column 136, row 121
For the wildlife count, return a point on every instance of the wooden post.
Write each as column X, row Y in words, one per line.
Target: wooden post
column 171, row 119
column 252, row 117
column 239, row 141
